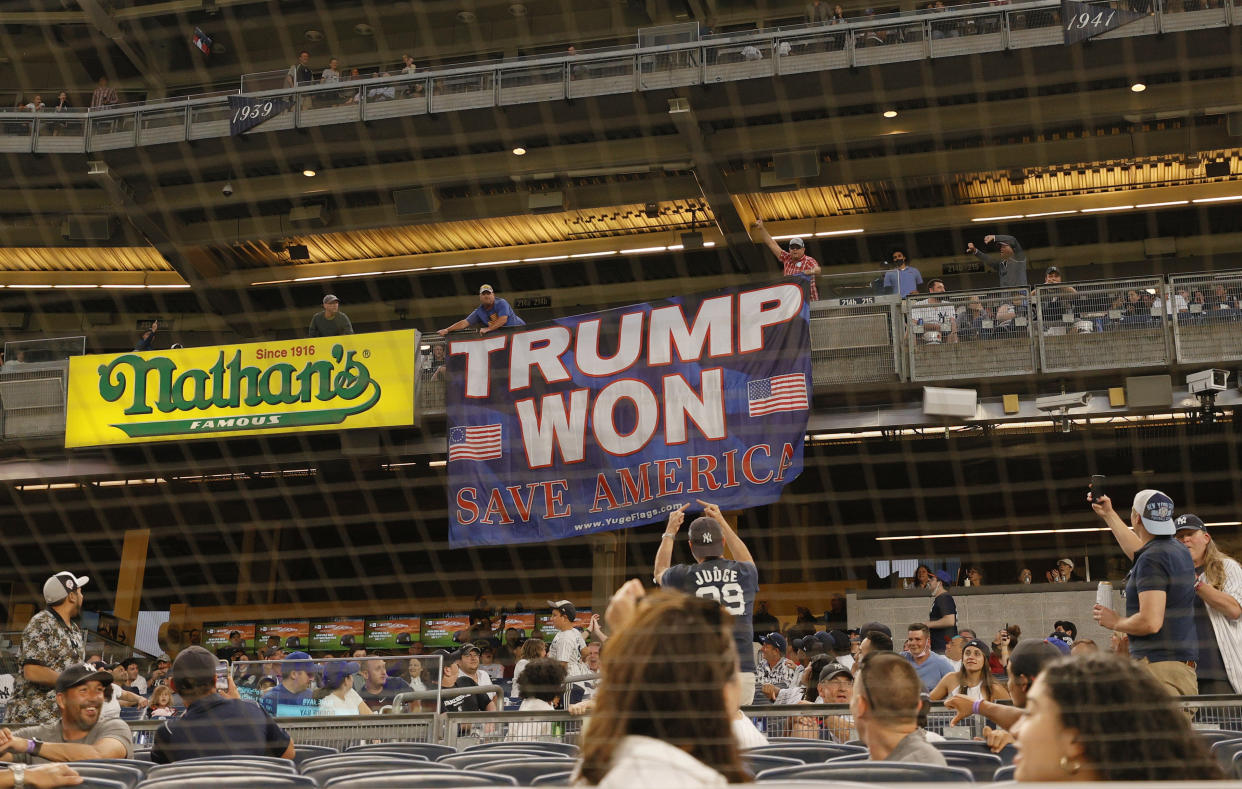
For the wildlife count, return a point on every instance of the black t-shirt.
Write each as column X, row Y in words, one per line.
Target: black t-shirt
column 463, row 703
column 215, row 726
column 734, row 585
column 942, row 605
column 1164, row 565
column 1211, row 664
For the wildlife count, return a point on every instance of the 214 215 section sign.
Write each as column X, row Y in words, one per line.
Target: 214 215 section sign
column 612, row 419
column 328, row 383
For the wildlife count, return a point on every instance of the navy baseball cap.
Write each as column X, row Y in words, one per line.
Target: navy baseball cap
column 298, row 661
column 1190, row 522
column 706, row 537
column 944, row 576
column 1155, row 509
column 775, row 639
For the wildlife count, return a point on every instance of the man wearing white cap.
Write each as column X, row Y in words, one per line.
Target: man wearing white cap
column 1160, row 592
column 331, row 322
column 51, row 642
column 795, row 261
column 491, row 314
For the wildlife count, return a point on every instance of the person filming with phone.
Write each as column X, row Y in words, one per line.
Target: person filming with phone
column 216, row 720
column 1159, row 591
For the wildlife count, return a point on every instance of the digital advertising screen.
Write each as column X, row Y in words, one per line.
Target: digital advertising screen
column 337, row 633
column 216, row 635
column 294, row 634
column 438, row 630
column 393, row 632
column 524, row 622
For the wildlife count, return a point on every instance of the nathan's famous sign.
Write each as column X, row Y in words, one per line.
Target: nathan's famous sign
column 361, row 380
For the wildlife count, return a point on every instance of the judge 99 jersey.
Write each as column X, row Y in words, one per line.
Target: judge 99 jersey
column 731, row 583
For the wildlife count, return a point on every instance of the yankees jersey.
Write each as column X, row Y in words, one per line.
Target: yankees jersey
column 731, row 583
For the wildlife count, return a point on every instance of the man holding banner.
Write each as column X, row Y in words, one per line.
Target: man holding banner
column 731, row 582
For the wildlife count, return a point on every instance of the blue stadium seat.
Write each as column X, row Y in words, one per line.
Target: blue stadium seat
column 530, row 745
column 419, row 780
column 810, row 752
column 758, row 762
column 981, row 765
column 326, row 771
column 131, row 713
column 1225, row 750
column 979, row 746
column 124, row 774
column 303, row 752
column 230, row 781
column 526, row 770
column 553, row 779
column 869, row 772
column 429, row 749
column 142, row 766
column 471, row 761
column 1003, row 774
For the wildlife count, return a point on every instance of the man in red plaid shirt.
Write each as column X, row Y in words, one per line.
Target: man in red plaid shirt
column 795, row 261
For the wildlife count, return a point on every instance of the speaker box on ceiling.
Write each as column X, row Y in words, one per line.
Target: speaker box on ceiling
column 415, row 202
column 1216, row 169
column 796, row 164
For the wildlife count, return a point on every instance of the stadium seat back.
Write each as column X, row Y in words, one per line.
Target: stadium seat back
column 404, row 759
column 303, row 752
column 869, row 772
column 1225, row 750
column 811, row 753
column 529, row 745
column 1003, row 774
column 271, row 780
column 553, row 779
column 140, row 766
column 758, row 762
column 419, row 780
column 981, row 765
column 429, row 749
column 526, row 770
column 128, row 776
column 323, row 773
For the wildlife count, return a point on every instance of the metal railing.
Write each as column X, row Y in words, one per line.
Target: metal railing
column 1103, row 325
column 1206, row 312
column 975, row 334
column 971, row 29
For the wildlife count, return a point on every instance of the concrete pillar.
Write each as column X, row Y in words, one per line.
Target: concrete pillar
column 607, row 567
column 129, row 581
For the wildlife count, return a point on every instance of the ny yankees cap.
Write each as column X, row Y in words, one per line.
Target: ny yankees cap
column 59, row 586
column 565, row 607
column 1190, row 522
column 706, row 537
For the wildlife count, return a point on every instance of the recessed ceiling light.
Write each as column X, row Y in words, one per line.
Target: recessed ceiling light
column 466, row 17
column 519, row 151
column 890, row 113
column 309, row 173
column 363, row 29
column 314, row 35
column 1138, row 87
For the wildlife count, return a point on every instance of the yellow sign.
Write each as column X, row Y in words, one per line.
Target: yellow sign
column 325, row 383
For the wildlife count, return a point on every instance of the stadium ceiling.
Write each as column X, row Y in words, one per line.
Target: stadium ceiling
column 1036, row 138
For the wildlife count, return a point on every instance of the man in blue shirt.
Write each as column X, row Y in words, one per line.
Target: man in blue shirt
column 1160, row 591
column 491, row 314
column 903, row 280
column 214, row 723
column 293, row 693
column 930, row 667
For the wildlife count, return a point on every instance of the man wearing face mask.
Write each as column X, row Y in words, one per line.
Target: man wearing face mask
column 79, row 734
column 903, row 279
column 51, row 642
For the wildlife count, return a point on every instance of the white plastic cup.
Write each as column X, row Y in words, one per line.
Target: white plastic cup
column 1104, row 594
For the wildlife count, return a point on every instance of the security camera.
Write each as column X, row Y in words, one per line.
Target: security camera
column 1208, row 381
column 227, row 190
column 1063, row 401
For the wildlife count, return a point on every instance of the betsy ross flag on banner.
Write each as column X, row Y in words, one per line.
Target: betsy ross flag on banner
column 474, row 443
column 782, row 393
column 202, row 41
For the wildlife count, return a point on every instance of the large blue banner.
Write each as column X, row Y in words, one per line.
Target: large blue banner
column 612, row 419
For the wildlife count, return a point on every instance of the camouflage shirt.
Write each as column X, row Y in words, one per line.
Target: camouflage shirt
column 46, row 641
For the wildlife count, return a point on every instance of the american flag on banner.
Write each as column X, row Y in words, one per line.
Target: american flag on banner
column 782, row 393
column 481, row 442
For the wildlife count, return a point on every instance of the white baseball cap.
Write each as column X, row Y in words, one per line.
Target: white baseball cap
column 58, row 587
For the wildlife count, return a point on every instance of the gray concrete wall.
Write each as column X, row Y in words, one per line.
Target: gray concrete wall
column 987, row 609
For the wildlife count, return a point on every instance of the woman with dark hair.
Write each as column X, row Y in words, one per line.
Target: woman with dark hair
column 974, row 679
column 543, row 681
column 532, row 649
column 667, row 695
column 922, row 577
column 1097, row 717
column 339, row 696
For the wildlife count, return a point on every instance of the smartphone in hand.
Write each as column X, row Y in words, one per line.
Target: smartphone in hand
column 222, row 675
column 1097, row 486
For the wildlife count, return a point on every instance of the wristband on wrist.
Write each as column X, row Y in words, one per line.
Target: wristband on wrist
column 667, row 536
column 32, row 746
column 974, row 708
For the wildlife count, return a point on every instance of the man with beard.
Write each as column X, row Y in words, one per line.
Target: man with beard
column 79, row 734
column 51, row 642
